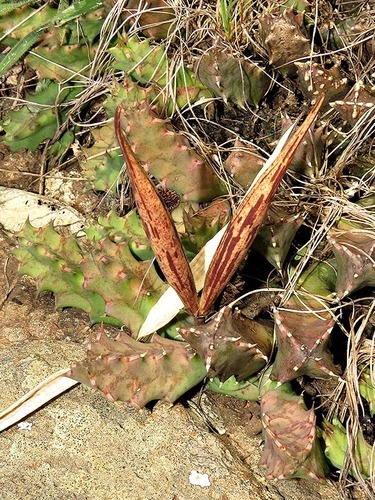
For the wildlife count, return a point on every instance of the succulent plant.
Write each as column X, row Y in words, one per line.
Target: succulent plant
column 291, row 445
column 136, row 372
column 367, row 202
column 141, row 61
column 276, row 235
column 243, row 163
column 367, row 387
column 351, row 28
column 102, row 162
column 29, row 125
column 363, row 25
column 309, row 156
column 202, row 225
column 285, row 39
column 336, row 448
column 302, row 329
column 231, row 344
column 22, row 21
column 300, row 5
column 316, row 80
column 354, row 248
column 247, row 389
column 148, row 64
column 156, row 19
column 60, row 63
column 240, row 81
column 109, row 272
column 359, row 100
column 319, row 279
column 61, row 52
column 303, row 326
column 101, row 274
column 176, row 165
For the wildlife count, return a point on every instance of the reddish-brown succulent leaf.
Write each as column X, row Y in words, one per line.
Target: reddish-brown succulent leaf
column 158, row 225
column 285, row 39
column 167, row 155
column 244, row 163
column 291, row 449
column 354, row 249
column 137, row 373
column 356, row 103
column 302, row 335
column 155, row 18
column 248, row 218
column 231, row 344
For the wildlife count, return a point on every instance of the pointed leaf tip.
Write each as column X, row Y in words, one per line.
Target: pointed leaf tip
column 158, row 224
column 248, row 218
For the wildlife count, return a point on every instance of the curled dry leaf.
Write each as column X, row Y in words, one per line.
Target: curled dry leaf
column 158, row 224
column 248, row 218
column 48, row 389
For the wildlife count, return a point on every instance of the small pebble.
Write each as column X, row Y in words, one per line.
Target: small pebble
column 198, row 479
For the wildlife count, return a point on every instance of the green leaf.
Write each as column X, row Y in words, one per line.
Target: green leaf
column 72, row 12
column 38, row 120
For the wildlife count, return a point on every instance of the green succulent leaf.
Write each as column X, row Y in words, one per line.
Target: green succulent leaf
column 336, row 448
column 102, row 274
column 58, row 19
column 367, row 388
column 38, row 120
column 60, row 63
column 246, row 389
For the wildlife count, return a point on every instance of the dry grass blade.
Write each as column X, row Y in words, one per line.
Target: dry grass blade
column 248, row 218
column 158, row 225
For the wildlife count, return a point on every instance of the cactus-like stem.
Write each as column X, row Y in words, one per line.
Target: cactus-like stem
column 315, row 80
column 238, row 80
column 102, row 274
column 285, row 39
column 291, row 446
column 276, row 235
column 303, row 328
column 367, row 388
column 231, row 344
column 246, row 389
column 356, row 103
column 155, row 21
column 244, row 163
column 175, row 165
column 336, row 448
column 137, row 373
column 354, row 249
